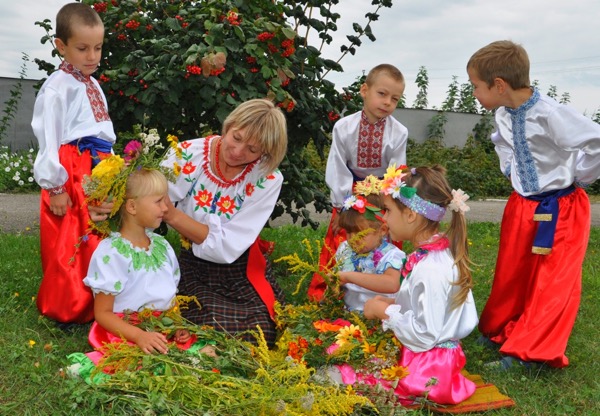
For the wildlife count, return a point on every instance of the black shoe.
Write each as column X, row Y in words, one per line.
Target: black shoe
column 488, row 343
column 508, row 362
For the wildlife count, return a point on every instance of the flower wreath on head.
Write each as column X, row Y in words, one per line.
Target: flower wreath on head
column 393, row 184
column 371, row 185
column 108, row 180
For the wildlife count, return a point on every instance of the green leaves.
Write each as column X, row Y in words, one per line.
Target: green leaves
column 158, row 70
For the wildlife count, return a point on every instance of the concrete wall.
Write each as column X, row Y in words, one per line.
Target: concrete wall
column 20, row 136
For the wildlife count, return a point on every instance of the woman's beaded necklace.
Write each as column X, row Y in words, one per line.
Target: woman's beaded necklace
column 217, row 157
column 216, row 176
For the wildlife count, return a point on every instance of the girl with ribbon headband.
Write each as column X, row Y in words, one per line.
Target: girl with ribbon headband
column 368, row 263
column 74, row 131
column 434, row 308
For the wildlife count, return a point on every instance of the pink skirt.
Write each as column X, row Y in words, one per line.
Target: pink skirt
column 434, row 374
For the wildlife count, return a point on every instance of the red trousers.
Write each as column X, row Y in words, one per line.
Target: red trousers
column 535, row 298
column 65, row 252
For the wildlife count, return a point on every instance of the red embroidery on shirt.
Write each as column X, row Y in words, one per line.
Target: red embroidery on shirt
column 370, row 143
column 92, row 91
column 213, row 178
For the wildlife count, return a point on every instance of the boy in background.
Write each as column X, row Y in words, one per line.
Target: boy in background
column 364, row 143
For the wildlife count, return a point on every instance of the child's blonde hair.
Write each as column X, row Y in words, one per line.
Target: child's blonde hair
column 502, row 59
column 353, row 221
column 71, row 14
column 431, row 185
column 264, row 123
column 144, row 182
column 384, row 69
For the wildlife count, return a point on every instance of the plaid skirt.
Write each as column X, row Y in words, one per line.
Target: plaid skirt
column 229, row 301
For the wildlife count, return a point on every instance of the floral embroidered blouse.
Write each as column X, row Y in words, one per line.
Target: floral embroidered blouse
column 137, row 278
column 234, row 211
column 377, row 261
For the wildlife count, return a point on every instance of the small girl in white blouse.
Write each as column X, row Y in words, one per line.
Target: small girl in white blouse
column 135, row 269
column 367, row 263
column 434, row 308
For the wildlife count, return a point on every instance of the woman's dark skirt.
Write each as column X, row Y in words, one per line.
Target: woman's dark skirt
column 229, row 301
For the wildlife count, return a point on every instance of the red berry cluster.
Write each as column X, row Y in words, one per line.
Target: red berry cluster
column 193, row 70
column 265, row 36
column 132, row 24
column 233, row 18
column 333, row 116
column 100, row 7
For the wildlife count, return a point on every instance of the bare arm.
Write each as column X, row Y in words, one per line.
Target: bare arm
column 149, row 342
column 388, row 282
column 60, row 203
column 375, row 307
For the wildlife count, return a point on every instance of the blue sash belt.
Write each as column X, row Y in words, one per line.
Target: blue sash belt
column 546, row 214
column 94, row 145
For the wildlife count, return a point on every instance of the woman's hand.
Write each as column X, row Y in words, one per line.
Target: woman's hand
column 100, row 212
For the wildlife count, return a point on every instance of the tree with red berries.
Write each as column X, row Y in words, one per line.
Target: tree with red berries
column 181, row 66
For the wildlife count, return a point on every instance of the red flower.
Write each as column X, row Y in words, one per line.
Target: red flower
column 204, row 198
column 188, row 168
column 185, row 145
column 333, row 116
column 249, row 189
column 226, row 205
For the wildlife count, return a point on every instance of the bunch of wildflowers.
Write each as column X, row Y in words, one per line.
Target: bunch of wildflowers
column 108, row 180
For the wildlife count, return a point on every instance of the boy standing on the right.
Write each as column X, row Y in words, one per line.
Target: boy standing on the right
column 549, row 152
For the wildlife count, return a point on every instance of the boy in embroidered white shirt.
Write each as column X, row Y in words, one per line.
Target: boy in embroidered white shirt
column 549, row 152
column 74, row 131
column 364, row 143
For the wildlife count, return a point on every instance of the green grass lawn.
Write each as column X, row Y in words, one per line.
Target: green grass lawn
column 33, row 350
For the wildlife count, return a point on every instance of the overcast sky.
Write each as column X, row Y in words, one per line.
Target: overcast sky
column 562, row 38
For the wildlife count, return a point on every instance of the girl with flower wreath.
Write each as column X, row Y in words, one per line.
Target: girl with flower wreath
column 434, row 308
column 134, row 271
column 367, row 263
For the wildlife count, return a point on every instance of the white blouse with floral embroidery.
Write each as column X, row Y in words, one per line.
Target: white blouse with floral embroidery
column 137, row 278
column 234, row 211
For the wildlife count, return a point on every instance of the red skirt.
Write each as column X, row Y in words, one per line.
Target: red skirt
column 535, row 298
column 317, row 286
column 66, row 247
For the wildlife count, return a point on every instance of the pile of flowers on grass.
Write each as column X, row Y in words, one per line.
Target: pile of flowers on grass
column 241, row 379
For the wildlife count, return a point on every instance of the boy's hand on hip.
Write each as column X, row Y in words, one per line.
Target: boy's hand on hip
column 59, row 204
